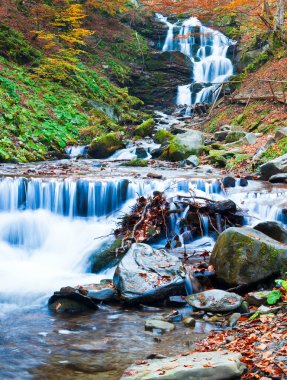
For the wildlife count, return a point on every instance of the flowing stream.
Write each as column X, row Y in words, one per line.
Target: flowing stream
column 208, row 51
column 47, row 235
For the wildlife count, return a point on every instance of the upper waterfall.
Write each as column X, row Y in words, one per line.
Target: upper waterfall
column 207, row 50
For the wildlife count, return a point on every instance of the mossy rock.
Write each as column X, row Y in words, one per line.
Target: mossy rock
column 145, row 129
column 175, row 152
column 217, row 146
column 106, row 257
column 243, row 256
column 105, row 146
column 138, row 162
column 163, row 136
column 234, row 136
column 218, row 161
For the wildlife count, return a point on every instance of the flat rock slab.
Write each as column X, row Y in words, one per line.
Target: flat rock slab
column 146, row 275
column 219, row 365
column 215, row 300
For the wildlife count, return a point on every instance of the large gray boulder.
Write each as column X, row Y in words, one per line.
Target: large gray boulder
column 215, row 300
column 218, row 365
column 243, row 256
column 193, row 141
column 146, row 274
column 276, row 166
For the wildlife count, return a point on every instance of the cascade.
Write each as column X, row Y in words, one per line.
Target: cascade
column 75, row 151
column 207, row 50
column 49, row 228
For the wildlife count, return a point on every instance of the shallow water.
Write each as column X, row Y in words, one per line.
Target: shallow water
column 36, row 344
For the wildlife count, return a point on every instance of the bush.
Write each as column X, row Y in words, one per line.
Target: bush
column 14, row 46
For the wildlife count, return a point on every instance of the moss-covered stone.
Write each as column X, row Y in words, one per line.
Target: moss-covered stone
column 234, row 136
column 162, row 136
column 175, row 152
column 138, row 162
column 246, row 256
column 105, row 146
column 106, row 256
column 145, row 129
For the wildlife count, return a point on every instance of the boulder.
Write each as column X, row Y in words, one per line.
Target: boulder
column 244, row 256
column 193, row 141
column 218, row 365
column 276, row 166
column 192, row 160
column 274, row 230
column 215, row 300
column 105, row 146
column 229, row 181
column 278, row 178
column 249, row 139
column 224, row 206
column 146, row 274
column 145, row 129
column 107, row 256
column 281, row 134
column 71, row 300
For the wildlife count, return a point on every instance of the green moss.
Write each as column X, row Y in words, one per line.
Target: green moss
column 105, row 146
column 175, row 152
column 138, row 162
column 145, row 129
column 234, row 136
column 276, row 150
column 163, row 136
column 236, row 161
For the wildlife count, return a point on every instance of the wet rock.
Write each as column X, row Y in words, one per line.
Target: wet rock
column 147, row 274
column 141, row 153
column 225, row 206
column 281, row 134
column 215, row 300
column 192, row 160
column 108, row 256
column 258, row 298
column 276, row 166
column 151, row 324
column 145, row 129
column 219, row 365
column 243, row 182
column 189, row 322
column 229, row 182
column 244, row 256
column 274, row 230
column 105, row 146
column 278, row 178
column 244, row 308
column 154, row 175
column 71, row 300
column 102, row 292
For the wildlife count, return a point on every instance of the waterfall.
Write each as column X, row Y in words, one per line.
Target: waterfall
column 49, row 228
column 207, row 50
column 75, row 151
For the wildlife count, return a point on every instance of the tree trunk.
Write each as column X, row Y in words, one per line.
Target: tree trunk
column 280, row 15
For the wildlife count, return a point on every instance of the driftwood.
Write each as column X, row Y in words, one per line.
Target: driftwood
column 150, row 219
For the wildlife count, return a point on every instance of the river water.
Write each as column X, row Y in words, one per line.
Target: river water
column 47, row 234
